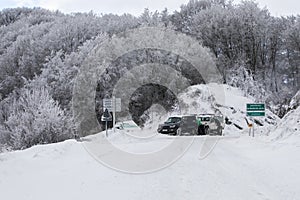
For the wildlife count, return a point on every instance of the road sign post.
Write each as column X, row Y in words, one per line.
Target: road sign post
column 106, row 117
column 112, row 105
column 250, row 128
column 106, row 131
column 114, row 112
column 255, row 110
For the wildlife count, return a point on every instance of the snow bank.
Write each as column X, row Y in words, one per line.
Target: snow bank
column 289, row 126
column 295, row 102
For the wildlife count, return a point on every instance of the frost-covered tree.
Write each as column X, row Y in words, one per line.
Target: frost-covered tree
column 33, row 36
column 33, row 117
column 60, row 71
column 292, row 43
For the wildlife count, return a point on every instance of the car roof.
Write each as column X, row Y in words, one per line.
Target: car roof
column 179, row 116
column 207, row 114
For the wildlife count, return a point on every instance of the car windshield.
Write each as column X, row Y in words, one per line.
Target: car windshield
column 173, row 120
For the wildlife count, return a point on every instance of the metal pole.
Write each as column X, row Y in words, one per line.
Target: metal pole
column 106, row 128
column 251, row 121
column 114, row 112
column 253, row 130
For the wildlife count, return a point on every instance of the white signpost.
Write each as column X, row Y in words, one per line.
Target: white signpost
column 112, row 105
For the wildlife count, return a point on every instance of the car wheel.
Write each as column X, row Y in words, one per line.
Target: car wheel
column 173, row 133
column 220, row 131
column 201, row 130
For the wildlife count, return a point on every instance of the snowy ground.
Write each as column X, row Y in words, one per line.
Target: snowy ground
column 239, row 167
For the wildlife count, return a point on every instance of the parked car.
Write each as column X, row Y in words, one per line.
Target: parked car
column 179, row 125
column 127, row 125
column 188, row 125
column 170, row 126
column 210, row 124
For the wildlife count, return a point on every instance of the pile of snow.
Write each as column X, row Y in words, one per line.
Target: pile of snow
column 289, row 126
column 288, row 130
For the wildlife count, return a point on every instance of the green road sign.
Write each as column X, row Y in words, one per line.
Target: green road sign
column 256, row 107
column 256, row 114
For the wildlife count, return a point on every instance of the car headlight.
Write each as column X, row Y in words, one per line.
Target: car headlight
column 172, row 126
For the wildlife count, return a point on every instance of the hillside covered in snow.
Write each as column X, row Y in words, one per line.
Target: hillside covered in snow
column 42, row 52
column 223, row 99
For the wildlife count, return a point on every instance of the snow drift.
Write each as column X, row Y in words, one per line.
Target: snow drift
column 289, row 126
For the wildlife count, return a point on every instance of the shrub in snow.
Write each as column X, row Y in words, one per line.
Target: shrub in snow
column 240, row 77
column 35, row 118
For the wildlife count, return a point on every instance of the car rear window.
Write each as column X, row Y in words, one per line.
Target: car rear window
column 205, row 119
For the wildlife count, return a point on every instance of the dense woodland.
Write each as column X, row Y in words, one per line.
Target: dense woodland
column 41, row 52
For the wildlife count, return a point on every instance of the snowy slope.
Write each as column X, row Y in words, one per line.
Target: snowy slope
column 295, row 101
column 289, row 127
column 230, row 101
column 214, row 98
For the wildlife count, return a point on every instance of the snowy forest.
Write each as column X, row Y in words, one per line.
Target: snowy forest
column 41, row 52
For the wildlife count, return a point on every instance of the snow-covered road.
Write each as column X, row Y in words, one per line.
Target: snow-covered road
column 239, row 167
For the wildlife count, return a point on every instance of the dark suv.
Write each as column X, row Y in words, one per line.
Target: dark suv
column 170, row 126
column 179, row 125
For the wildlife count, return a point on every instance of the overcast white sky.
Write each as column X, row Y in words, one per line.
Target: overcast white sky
column 136, row 7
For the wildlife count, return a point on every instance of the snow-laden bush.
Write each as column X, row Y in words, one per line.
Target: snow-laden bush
column 295, row 102
column 240, row 77
column 35, row 118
